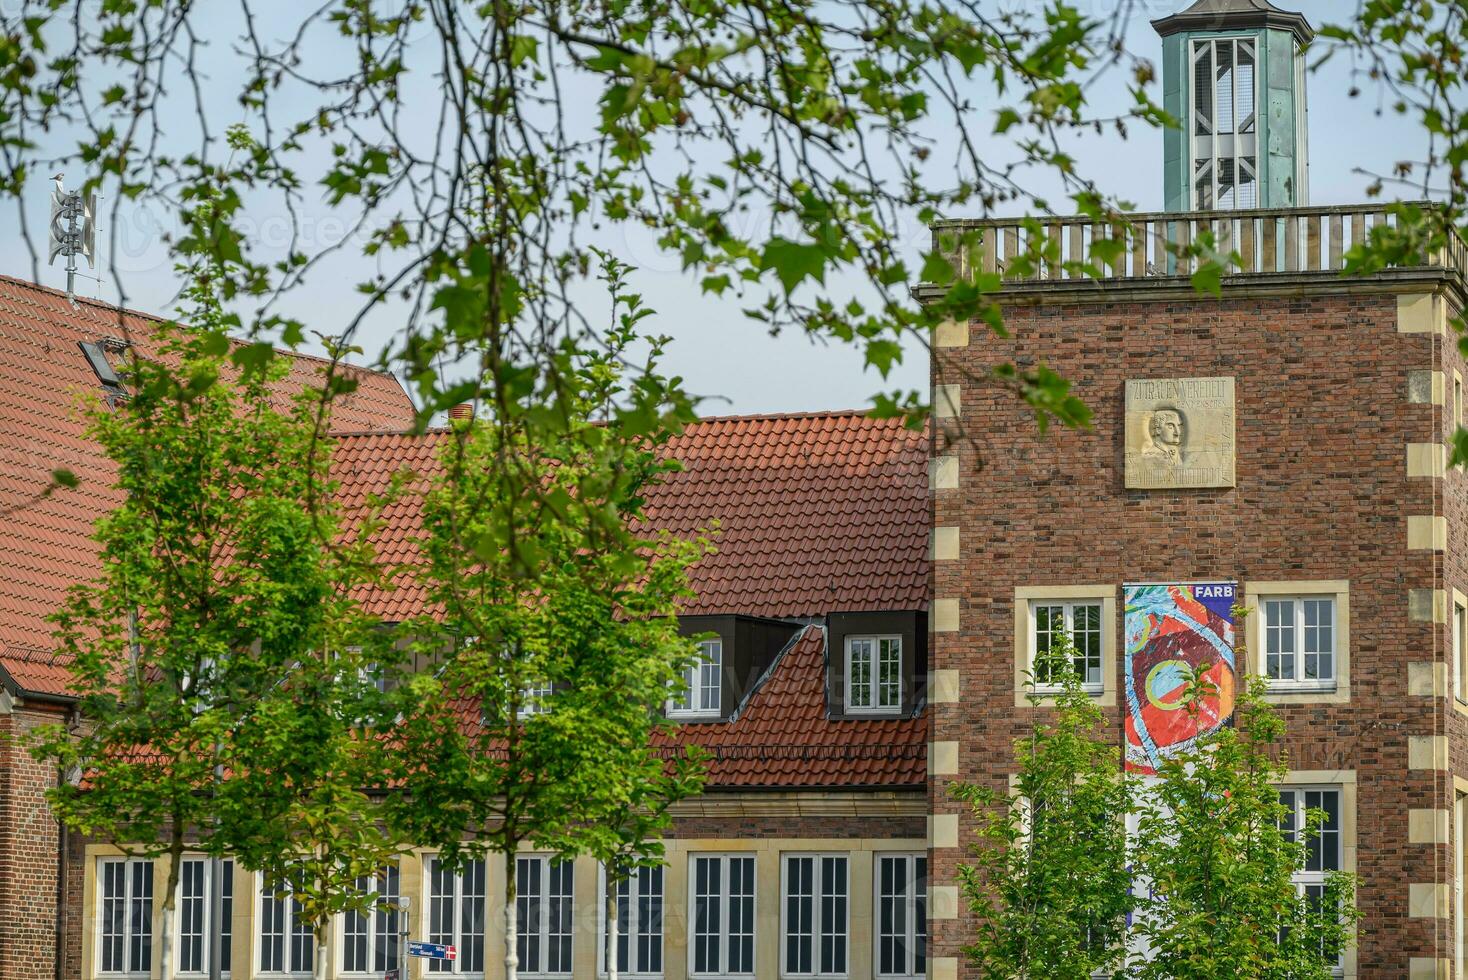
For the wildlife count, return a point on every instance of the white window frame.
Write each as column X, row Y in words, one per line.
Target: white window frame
column 915, row 912
column 1460, row 867
column 1068, row 612
column 1302, row 878
column 257, row 936
column 226, row 918
column 133, row 868
column 820, row 891
column 376, row 919
column 1207, row 146
column 873, row 685
column 630, row 925
column 533, row 700
column 455, row 935
column 542, row 935
column 696, row 700
column 1297, row 628
column 723, row 934
column 1459, row 640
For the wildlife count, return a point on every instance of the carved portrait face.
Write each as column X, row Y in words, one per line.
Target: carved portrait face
column 1166, row 428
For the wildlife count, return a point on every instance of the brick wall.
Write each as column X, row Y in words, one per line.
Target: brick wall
column 1323, row 419
column 28, row 852
column 793, row 827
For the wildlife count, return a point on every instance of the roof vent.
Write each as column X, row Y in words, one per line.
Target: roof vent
column 100, row 364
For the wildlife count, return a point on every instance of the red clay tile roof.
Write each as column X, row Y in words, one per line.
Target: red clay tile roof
column 817, row 513
column 783, row 739
column 44, row 543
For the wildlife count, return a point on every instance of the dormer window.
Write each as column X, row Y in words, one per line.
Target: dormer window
column 703, row 684
column 534, row 700
column 874, row 674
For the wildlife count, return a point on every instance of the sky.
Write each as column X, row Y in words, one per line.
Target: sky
column 733, row 363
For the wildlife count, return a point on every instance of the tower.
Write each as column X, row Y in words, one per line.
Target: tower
column 1233, row 73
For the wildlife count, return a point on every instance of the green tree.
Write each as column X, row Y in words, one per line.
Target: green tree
column 208, row 656
column 1050, row 884
column 775, row 151
column 1212, row 848
column 779, row 151
column 552, row 641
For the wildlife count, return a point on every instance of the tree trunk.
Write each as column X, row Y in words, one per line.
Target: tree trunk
column 611, row 928
column 512, row 959
column 165, row 943
column 318, row 968
column 170, row 889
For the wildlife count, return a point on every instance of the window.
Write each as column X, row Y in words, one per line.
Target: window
column 1323, row 852
column 1460, row 839
column 1460, row 651
column 372, row 941
column 1081, row 621
column 874, row 674
column 639, row 924
column 1224, row 124
column 1300, row 641
column 194, row 902
column 814, row 891
column 126, row 921
column 456, row 915
column 703, row 683
column 723, row 915
column 902, row 915
column 286, row 943
column 533, row 700
column 375, row 676
column 543, row 916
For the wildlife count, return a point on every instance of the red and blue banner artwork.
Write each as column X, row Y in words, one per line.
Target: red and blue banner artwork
column 1173, row 632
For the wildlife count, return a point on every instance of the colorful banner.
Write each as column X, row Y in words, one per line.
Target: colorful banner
column 1171, row 632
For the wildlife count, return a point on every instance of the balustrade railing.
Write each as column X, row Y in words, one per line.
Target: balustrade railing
column 1268, row 241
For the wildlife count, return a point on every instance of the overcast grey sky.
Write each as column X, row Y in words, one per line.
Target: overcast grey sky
column 716, row 349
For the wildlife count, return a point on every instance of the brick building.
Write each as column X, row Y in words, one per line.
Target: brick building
column 1285, row 441
column 805, row 855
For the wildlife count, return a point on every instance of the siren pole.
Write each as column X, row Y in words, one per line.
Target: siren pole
column 73, row 231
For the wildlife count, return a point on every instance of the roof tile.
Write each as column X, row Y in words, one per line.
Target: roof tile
column 46, row 542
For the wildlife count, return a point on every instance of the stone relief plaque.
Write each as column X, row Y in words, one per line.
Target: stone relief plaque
column 1179, row 433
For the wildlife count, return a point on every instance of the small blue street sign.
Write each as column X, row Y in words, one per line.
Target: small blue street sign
column 434, row 951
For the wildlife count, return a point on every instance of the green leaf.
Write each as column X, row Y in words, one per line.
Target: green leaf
column 1209, row 278
column 793, row 262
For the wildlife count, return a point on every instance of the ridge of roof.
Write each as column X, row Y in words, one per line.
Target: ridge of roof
column 835, row 413
column 107, row 307
column 817, row 414
column 88, row 300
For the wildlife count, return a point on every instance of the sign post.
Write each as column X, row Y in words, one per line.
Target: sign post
column 399, row 972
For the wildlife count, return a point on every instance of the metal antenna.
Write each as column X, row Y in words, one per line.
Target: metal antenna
column 73, row 231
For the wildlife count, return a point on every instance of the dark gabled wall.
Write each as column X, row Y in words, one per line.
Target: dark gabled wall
column 911, row 626
column 750, row 646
